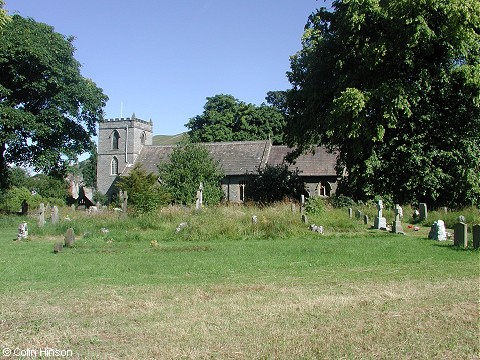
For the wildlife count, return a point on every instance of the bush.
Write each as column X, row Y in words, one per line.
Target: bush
column 273, row 184
column 315, row 206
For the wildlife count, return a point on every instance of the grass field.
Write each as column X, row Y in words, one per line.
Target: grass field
column 224, row 289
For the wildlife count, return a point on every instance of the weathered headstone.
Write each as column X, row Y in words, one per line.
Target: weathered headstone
column 350, row 213
column 55, row 216
column 304, row 219
column 358, row 214
column 124, row 195
column 422, row 209
column 73, row 207
column 476, row 236
column 69, row 238
column 302, row 203
column 199, row 202
column 22, row 231
column 460, row 235
column 294, row 209
column 365, row 219
column 254, row 220
column 315, row 228
column 41, row 215
column 397, row 223
column 58, row 247
column 461, row 219
column 438, row 231
column 380, row 222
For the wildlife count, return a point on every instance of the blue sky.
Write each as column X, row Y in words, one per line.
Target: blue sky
column 161, row 59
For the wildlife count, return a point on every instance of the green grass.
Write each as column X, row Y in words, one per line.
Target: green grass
column 224, row 288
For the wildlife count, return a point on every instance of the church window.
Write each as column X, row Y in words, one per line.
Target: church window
column 114, row 166
column 242, row 191
column 115, row 140
column 143, row 138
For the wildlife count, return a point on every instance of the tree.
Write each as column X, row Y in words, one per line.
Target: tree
column 395, row 87
column 274, row 183
column 144, row 191
column 190, row 164
column 227, row 119
column 3, row 15
column 88, row 169
column 48, row 111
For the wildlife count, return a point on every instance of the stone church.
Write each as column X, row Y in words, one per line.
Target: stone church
column 125, row 142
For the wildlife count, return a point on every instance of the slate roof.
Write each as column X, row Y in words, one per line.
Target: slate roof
column 240, row 157
column 318, row 163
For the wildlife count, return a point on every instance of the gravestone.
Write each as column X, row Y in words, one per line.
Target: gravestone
column 397, row 224
column 438, row 231
column 461, row 219
column 423, row 213
column 73, row 207
column 55, row 215
column 199, row 202
column 476, row 236
column 124, row 196
column 254, row 220
column 358, row 214
column 365, row 219
column 350, row 213
column 57, row 247
column 460, row 235
column 24, row 207
column 69, row 238
column 302, row 204
column 315, row 228
column 22, row 231
column 304, row 219
column 294, row 209
column 41, row 215
column 380, row 222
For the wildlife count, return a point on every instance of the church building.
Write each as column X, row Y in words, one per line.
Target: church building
column 125, row 142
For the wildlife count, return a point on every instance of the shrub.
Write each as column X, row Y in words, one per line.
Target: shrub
column 273, row 184
column 315, row 206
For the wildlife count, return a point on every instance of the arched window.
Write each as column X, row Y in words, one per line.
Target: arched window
column 115, row 140
column 143, row 138
column 323, row 189
column 114, row 166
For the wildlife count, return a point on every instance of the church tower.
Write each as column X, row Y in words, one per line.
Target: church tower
column 119, row 144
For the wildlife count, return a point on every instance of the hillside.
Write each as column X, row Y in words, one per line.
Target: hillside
column 168, row 139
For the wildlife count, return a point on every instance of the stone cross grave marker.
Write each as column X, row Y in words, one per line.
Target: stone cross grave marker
column 41, row 215
column 397, row 224
column 460, row 235
column 55, row 215
column 380, row 222
column 476, row 236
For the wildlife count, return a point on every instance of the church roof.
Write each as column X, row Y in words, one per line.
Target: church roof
column 240, row 157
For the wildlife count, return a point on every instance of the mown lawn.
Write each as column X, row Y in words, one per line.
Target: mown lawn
column 141, row 291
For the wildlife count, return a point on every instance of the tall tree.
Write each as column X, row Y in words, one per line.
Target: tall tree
column 394, row 85
column 190, row 164
column 225, row 118
column 48, row 110
column 3, row 15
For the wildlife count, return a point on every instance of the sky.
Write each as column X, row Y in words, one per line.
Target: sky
column 161, row 59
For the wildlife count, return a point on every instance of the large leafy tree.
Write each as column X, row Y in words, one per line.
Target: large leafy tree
column 189, row 165
column 225, row 118
column 394, row 85
column 48, row 110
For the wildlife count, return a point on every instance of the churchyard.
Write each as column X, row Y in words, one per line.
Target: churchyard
column 239, row 282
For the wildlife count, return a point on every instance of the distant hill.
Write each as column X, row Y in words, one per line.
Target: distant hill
column 168, row 139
